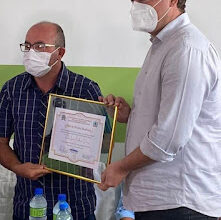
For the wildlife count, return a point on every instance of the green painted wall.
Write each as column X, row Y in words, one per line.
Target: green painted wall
column 116, row 80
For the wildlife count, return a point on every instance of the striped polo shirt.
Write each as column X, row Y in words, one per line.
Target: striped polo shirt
column 23, row 109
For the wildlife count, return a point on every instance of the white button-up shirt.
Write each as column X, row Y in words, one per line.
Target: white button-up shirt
column 176, row 121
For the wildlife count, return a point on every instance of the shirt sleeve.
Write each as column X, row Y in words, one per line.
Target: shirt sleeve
column 186, row 79
column 94, row 90
column 6, row 119
column 121, row 212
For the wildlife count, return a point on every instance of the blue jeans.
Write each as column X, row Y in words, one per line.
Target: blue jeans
column 90, row 217
column 182, row 213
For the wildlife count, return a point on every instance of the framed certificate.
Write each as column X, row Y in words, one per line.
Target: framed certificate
column 78, row 137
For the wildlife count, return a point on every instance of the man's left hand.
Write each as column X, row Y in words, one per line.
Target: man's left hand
column 112, row 175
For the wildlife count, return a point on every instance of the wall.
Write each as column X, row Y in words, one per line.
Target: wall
column 98, row 33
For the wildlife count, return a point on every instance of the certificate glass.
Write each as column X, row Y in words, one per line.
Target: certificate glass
column 78, row 137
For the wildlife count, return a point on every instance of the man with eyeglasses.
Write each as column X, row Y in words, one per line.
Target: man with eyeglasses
column 173, row 142
column 23, row 106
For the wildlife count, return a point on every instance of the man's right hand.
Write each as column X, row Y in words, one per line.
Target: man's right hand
column 30, row 170
column 123, row 107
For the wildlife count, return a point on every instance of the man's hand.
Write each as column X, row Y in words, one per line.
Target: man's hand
column 10, row 161
column 123, row 107
column 112, row 176
column 30, row 170
column 117, row 171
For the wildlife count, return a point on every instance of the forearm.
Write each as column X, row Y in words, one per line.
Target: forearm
column 7, row 156
column 117, row 171
column 135, row 160
column 10, row 161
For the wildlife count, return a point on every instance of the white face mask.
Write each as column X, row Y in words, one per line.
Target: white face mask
column 36, row 63
column 144, row 17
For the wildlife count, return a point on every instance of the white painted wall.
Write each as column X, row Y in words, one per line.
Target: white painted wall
column 98, row 33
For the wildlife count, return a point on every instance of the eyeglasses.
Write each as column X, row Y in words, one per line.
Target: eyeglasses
column 38, row 47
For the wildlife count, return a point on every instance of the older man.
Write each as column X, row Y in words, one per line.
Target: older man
column 23, row 103
column 173, row 143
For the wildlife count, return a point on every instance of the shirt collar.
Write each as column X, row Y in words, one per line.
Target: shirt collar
column 171, row 28
column 60, row 83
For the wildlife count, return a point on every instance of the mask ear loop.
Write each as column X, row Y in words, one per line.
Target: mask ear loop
column 164, row 14
column 56, row 60
column 157, row 3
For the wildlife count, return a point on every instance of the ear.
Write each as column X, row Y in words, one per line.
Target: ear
column 173, row 3
column 61, row 52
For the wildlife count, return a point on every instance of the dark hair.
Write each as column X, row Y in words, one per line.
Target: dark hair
column 181, row 5
column 60, row 39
